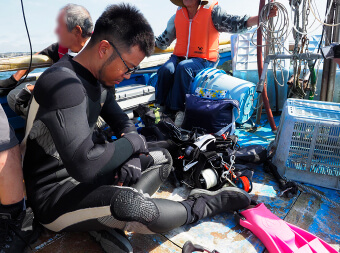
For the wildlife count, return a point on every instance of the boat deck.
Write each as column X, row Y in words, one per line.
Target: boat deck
column 222, row 232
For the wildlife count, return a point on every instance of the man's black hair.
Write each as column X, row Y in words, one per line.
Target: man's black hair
column 125, row 26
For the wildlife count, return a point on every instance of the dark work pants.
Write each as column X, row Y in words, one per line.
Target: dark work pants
column 174, row 79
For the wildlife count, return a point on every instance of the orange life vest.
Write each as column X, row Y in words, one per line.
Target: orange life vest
column 197, row 37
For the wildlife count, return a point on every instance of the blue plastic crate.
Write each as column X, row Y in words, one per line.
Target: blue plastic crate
column 307, row 145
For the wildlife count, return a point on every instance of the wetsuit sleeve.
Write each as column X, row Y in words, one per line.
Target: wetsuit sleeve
column 52, row 52
column 225, row 22
column 63, row 110
column 115, row 117
column 164, row 40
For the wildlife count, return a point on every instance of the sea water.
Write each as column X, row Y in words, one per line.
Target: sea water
column 5, row 75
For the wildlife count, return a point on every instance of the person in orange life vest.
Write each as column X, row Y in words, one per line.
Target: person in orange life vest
column 74, row 29
column 196, row 26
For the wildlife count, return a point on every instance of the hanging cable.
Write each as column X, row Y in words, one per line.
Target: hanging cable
column 275, row 33
column 312, row 9
column 29, row 41
column 321, row 22
column 279, row 31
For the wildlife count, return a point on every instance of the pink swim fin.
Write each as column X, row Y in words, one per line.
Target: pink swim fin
column 279, row 236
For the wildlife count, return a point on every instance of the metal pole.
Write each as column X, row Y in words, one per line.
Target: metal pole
column 260, row 70
column 260, row 100
column 326, row 64
column 305, row 56
column 259, row 110
column 332, row 67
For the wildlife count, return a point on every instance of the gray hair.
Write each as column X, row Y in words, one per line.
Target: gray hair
column 78, row 15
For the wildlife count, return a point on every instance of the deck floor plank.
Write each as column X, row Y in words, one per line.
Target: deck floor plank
column 222, row 232
column 152, row 244
column 65, row 242
column 83, row 242
column 318, row 216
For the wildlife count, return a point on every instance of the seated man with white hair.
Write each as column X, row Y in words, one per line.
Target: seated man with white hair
column 74, row 29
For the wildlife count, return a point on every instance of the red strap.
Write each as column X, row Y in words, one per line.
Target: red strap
column 62, row 51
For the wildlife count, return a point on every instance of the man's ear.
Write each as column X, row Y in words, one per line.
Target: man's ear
column 77, row 31
column 103, row 49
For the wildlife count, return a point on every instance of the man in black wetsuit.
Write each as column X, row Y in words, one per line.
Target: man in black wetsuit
column 72, row 175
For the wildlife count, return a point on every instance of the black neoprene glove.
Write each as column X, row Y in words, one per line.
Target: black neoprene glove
column 138, row 143
column 130, row 172
column 22, row 100
column 7, row 85
column 9, row 82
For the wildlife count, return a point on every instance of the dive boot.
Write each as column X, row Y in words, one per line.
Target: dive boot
column 203, row 203
column 18, row 233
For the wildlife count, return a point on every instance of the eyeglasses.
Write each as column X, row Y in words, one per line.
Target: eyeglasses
column 130, row 70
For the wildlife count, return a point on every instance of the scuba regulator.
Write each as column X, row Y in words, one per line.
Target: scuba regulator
column 208, row 169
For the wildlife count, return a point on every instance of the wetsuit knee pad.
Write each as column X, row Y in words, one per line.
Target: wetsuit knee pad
column 127, row 204
column 157, row 215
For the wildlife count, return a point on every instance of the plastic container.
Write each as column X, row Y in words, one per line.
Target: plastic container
column 244, row 65
column 308, row 143
column 215, row 84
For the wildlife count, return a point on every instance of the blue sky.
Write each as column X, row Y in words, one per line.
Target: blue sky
column 41, row 14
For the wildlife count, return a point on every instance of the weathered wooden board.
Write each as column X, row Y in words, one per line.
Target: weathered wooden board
column 152, row 244
column 83, row 242
column 65, row 242
column 222, row 232
column 318, row 216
